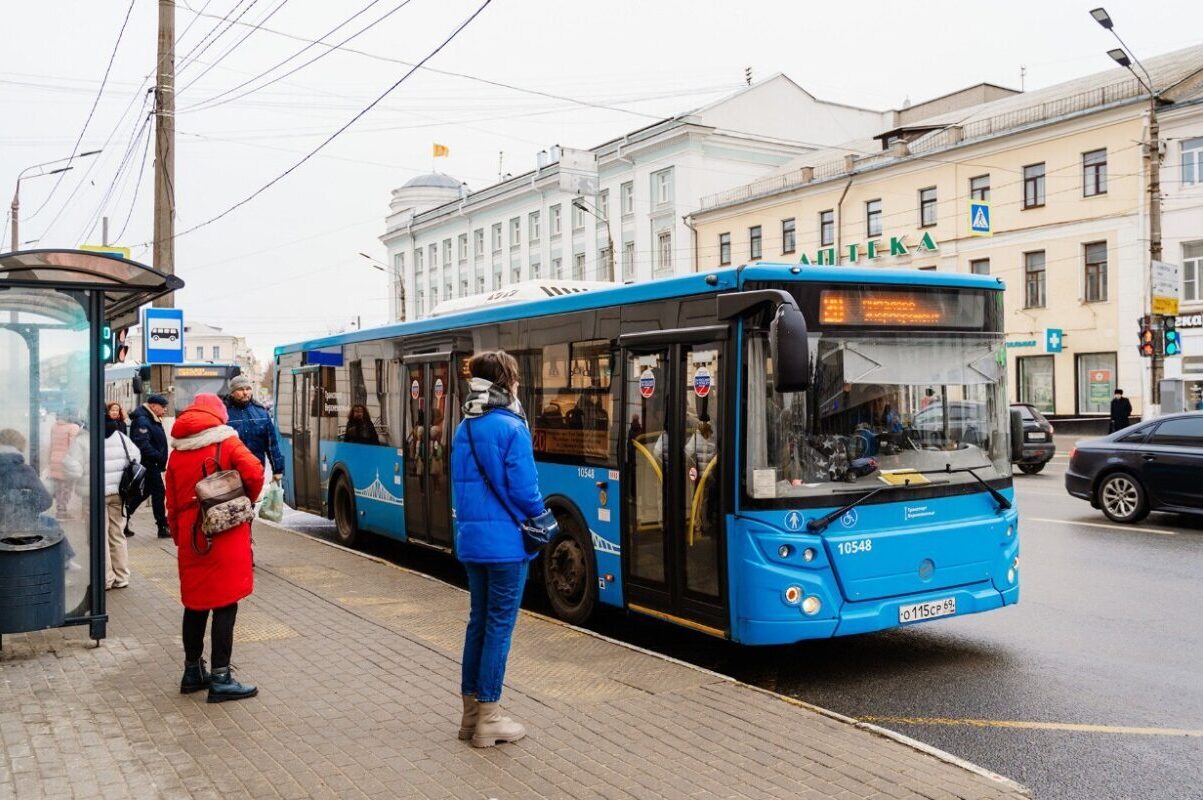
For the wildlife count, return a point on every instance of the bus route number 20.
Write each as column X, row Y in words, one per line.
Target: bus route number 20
column 855, row 546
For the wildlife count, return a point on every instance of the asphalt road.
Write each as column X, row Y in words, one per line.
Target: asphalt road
column 1090, row 689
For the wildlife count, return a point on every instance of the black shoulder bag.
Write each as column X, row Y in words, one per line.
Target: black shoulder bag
column 536, row 531
column 132, row 488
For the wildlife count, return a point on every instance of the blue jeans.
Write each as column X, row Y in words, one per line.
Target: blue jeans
column 496, row 592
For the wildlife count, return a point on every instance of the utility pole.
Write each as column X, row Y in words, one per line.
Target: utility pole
column 164, row 227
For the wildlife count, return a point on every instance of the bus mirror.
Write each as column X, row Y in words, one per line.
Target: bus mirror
column 1016, row 435
column 790, row 349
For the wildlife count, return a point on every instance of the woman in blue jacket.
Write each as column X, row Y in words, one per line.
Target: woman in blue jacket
column 492, row 438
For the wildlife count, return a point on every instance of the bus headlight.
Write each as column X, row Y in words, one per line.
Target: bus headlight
column 812, row 605
column 808, row 554
column 1010, row 531
column 793, row 594
column 784, row 551
column 1010, row 576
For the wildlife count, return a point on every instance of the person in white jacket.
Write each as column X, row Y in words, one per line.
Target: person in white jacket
column 119, row 450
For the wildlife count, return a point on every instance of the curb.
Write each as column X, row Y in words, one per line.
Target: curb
column 886, row 733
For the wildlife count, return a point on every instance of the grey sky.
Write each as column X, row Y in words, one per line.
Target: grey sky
column 285, row 266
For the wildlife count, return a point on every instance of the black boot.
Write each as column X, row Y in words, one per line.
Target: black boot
column 223, row 687
column 164, row 533
column 196, row 677
column 128, row 531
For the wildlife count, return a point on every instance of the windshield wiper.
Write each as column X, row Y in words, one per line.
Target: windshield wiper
column 999, row 497
column 819, row 524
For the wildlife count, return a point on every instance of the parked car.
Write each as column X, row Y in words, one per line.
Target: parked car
column 1038, row 447
column 1150, row 466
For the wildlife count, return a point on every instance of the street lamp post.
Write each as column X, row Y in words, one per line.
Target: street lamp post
column 580, row 203
column 400, row 283
column 1124, row 57
column 16, row 205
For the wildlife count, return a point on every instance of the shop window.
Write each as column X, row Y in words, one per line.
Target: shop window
column 1036, row 383
column 1096, row 382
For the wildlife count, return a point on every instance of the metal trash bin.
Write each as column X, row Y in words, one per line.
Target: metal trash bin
column 32, row 581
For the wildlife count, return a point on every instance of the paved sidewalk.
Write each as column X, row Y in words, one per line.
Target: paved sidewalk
column 357, row 664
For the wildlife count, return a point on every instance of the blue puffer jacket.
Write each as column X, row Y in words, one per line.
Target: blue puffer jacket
column 253, row 424
column 485, row 533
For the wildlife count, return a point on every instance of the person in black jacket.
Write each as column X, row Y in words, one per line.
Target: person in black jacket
column 1121, row 411
column 146, row 431
column 23, row 497
column 360, row 429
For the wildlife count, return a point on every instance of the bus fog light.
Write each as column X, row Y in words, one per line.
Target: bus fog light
column 1010, row 531
column 793, row 594
column 812, row 605
column 784, row 551
column 808, row 554
column 1010, row 576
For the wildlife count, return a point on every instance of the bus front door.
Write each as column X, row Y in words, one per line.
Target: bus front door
column 674, row 427
column 306, row 404
column 430, row 414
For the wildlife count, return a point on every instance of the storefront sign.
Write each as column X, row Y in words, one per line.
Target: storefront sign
column 1100, row 387
column 871, row 250
column 1190, row 321
column 1023, row 343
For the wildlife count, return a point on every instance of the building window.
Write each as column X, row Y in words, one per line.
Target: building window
column 826, row 228
column 1033, row 186
column 1094, row 173
column 979, row 188
column 515, row 232
column 980, row 266
column 533, row 224
column 789, row 236
column 496, row 276
column 420, row 303
column 662, row 186
column 1096, row 271
column 604, row 267
column 755, row 243
column 628, row 261
column 724, row 249
column 399, row 265
column 1033, row 270
column 463, row 288
column 557, row 268
column 434, row 259
column 1036, row 385
column 434, row 296
column 515, row 274
column 928, row 268
column 463, row 247
column 873, row 218
column 628, row 198
column 1192, row 271
column 603, row 204
column 1192, row 160
column 578, row 218
column 927, row 207
column 497, row 237
column 479, row 242
column 480, row 284
column 664, row 250
column 446, row 252
column 418, row 265
column 578, row 267
column 1096, row 382
column 200, row 353
column 536, row 270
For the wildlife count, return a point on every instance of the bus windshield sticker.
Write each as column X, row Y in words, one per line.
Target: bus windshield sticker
column 415, row 390
column 701, row 382
column 647, row 383
column 438, row 388
column 764, row 482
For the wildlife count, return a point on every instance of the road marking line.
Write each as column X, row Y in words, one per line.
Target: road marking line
column 1043, row 726
column 1128, row 528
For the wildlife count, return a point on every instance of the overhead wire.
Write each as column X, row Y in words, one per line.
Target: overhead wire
column 137, row 184
column 206, row 42
column 228, row 51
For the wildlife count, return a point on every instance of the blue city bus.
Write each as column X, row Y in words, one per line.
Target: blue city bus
column 767, row 453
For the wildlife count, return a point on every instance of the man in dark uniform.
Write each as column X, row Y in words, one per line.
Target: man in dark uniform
column 146, row 431
column 1121, row 411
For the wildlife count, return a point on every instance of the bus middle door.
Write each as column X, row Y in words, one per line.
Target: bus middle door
column 306, row 410
column 430, row 414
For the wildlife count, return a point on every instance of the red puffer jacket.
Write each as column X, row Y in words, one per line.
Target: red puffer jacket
column 223, row 575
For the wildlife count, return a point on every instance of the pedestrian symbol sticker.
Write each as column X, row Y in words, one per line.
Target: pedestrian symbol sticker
column 979, row 218
column 647, row 383
column 701, row 382
column 793, row 521
column 415, row 390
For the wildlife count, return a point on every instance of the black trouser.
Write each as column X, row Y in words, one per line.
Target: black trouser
column 222, row 633
column 158, row 493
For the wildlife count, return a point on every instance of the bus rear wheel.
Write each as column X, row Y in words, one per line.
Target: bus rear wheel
column 346, row 528
column 570, row 572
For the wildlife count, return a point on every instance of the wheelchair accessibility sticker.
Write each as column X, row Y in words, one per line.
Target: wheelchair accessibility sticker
column 849, row 519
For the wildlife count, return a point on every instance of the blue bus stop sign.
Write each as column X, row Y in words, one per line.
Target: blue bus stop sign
column 1053, row 340
column 163, row 335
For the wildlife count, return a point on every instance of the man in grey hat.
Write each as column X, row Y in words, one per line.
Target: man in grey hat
column 254, row 425
column 146, row 431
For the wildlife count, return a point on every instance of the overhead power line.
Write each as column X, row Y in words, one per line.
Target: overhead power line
column 347, row 125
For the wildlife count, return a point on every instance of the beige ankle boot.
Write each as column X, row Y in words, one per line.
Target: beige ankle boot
column 467, row 725
column 492, row 727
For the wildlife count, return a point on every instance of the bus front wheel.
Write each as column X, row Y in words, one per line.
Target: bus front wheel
column 570, row 572
column 346, row 527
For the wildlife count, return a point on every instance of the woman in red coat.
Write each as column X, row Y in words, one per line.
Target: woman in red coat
column 218, row 579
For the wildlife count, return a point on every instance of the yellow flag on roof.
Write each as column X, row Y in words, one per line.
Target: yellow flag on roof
column 441, row 150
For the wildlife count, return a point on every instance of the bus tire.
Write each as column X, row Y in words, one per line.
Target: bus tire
column 346, row 524
column 570, row 571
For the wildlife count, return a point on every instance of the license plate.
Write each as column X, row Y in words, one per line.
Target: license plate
column 917, row 612
column 1037, row 437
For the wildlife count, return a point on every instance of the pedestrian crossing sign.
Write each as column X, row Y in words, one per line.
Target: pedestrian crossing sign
column 979, row 218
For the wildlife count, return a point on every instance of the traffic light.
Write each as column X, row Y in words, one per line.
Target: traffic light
column 1148, row 338
column 106, row 344
column 113, row 347
column 1173, row 339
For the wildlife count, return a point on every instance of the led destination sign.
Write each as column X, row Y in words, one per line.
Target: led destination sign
column 901, row 309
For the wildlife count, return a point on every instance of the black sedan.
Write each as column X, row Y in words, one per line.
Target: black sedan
column 1038, row 447
column 1150, row 466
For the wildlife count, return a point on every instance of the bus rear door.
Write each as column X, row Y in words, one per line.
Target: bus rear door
column 674, row 427
column 306, row 408
column 431, row 413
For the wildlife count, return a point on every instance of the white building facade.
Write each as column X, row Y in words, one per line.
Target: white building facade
column 445, row 242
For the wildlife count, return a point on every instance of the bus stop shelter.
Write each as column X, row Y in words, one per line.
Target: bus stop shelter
column 54, row 307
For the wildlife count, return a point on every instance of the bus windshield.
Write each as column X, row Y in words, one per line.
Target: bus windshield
column 883, row 408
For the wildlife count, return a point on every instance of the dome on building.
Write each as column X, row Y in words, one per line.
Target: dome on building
column 434, row 179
